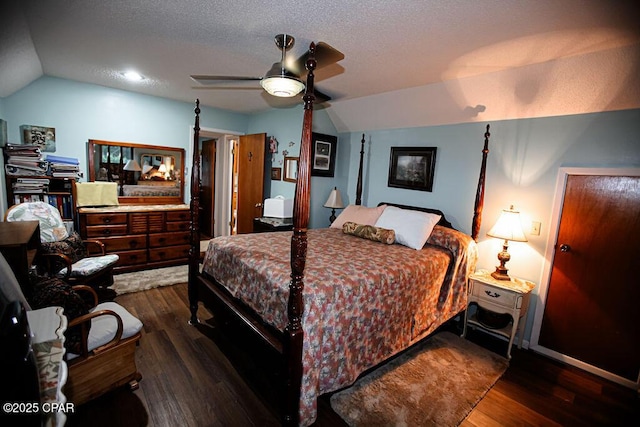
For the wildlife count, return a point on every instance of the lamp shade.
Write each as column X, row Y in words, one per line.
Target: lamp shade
column 132, row 165
column 508, row 227
column 162, row 168
column 335, row 200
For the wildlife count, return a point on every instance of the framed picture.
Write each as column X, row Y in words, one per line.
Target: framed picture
column 276, row 174
column 41, row 136
column 323, row 154
column 412, row 167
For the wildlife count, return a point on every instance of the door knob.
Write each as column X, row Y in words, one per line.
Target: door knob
column 258, row 205
column 565, row 248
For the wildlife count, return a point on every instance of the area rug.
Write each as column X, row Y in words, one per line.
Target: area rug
column 437, row 383
column 148, row 279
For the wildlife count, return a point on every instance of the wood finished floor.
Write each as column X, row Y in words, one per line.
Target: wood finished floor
column 196, row 376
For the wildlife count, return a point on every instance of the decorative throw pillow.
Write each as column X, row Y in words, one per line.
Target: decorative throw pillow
column 55, row 292
column 370, row 232
column 412, row 227
column 72, row 247
column 358, row 214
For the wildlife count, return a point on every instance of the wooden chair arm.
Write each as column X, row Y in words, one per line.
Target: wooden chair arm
column 82, row 321
column 48, row 261
column 93, row 242
column 88, row 289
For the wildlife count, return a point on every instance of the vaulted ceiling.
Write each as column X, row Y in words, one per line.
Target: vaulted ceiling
column 389, row 45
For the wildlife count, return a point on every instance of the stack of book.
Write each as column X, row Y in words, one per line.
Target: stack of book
column 64, row 167
column 25, row 159
column 30, row 185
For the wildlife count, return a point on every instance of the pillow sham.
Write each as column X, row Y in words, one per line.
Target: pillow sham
column 358, row 214
column 412, row 228
column 370, row 232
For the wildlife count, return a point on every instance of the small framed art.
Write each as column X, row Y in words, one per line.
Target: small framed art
column 412, row 167
column 276, row 174
column 323, row 154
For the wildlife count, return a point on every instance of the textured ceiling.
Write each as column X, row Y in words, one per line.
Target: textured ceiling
column 388, row 44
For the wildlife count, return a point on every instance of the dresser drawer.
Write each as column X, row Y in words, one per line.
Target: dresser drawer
column 178, row 216
column 495, row 295
column 172, row 252
column 168, row 239
column 124, row 243
column 132, row 258
column 107, row 218
column 98, row 231
column 177, row 226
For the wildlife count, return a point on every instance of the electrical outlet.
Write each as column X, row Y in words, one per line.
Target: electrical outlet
column 535, row 228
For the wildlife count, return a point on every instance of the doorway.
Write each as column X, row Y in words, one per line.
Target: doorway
column 585, row 316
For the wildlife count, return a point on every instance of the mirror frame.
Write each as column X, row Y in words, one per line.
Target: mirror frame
column 143, row 149
column 290, row 169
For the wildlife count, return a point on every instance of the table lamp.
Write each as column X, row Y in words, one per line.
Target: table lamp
column 508, row 228
column 334, row 202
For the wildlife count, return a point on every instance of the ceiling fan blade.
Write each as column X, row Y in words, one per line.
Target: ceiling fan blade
column 325, row 55
column 209, row 80
column 320, row 96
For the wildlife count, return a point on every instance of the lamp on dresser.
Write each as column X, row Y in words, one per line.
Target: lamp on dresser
column 131, row 166
column 334, row 202
column 508, row 227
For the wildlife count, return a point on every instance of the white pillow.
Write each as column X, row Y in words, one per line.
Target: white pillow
column 359, row 214
column 412, row 227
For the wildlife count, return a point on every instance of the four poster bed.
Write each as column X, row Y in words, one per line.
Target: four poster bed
column 333, row 304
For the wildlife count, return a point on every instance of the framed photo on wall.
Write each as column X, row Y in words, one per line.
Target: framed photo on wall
column 276, row 174
column 323, row 154
column 412, row 167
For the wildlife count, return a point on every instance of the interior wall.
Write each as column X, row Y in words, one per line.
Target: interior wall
column 524, row 158
column 80, row 111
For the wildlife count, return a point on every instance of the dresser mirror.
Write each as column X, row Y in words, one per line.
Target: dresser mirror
column 145, row 174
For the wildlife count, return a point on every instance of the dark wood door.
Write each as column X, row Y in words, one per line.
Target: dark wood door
column 250, row 156
column 594, row 291
column 208, row 188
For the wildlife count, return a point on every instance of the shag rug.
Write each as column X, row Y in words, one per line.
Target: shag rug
column 437, row 383
column 148, row 279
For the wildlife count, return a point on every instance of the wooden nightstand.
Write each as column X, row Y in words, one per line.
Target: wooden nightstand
column 499, row 296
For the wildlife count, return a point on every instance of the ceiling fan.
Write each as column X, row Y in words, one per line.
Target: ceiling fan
column 283, row 79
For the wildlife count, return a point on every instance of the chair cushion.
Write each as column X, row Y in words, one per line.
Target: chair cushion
column 103, row 328
column 90, row 265
column 52, row 227
column 55, row 292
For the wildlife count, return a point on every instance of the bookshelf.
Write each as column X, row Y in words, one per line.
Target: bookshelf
column 55, row 191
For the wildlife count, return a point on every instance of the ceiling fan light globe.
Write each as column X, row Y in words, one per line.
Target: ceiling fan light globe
column 282, row 86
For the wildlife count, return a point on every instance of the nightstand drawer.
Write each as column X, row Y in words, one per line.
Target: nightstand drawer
column 495, row 295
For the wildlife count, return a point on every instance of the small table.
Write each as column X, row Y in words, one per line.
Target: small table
column 266, row 224
column 499, row 296
column 19, row 243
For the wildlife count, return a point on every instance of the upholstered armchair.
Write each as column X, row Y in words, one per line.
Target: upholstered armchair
column 64, row 255
column 99, row 341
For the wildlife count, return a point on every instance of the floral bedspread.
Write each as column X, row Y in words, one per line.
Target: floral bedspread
column 364, row 301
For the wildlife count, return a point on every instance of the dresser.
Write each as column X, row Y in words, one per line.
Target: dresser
column 143, row 236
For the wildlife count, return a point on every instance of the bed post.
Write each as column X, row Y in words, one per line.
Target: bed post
column 293, row 333
column 359, row 182
column 194, row 251
column 479, row 204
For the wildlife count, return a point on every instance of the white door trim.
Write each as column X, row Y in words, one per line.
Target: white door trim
column 563, row 174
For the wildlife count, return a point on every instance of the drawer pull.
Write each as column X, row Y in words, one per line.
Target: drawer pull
column 492, row 294
column 107, row 231
column 161, row 240
column 133, row 244
column 107, row 220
